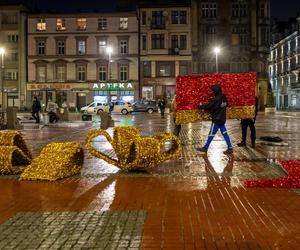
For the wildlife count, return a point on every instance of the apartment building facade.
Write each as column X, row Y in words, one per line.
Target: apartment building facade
column 241, row 30
column 81, row 58
column 284, row 67
column 165, row 46
column 13, row 41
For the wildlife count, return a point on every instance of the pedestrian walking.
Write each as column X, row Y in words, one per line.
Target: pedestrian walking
column 245, row 123
column 36, row 108
column 162, row 106
column 177, row 127
column 217, row 108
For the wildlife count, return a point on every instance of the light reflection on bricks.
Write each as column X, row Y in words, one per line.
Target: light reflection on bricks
column 71, row 230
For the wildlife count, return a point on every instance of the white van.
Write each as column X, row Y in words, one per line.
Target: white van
column 95, row 107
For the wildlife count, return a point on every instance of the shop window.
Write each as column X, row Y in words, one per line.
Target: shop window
column 102, row 73
column 123, row 23
column 102, row 23
column 123, row 73
column 147, row 93
column 60, row 24
column 41, row 24
column 41, row 73
column 81, row 72
column 147, row 69
column 81, row 23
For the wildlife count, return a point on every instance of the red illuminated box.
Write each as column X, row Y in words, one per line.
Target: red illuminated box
column 195, row 89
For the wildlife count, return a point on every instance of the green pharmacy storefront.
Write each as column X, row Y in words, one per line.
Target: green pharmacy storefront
column 106, row 92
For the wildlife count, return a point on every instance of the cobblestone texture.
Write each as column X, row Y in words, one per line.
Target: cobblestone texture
column 73, row 230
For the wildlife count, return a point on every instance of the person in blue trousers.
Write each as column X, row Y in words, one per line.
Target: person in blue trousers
column 217, row 108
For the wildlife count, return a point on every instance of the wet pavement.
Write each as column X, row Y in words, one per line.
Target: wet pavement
column 195, row 202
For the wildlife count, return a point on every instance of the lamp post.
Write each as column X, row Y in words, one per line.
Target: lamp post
column 217, row 50
column 109, row 50
column 2, row 52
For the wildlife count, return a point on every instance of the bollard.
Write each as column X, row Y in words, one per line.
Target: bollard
column 106, row 120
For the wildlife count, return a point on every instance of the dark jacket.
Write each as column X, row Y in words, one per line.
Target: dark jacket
column 217, row 106
column 161, row 104
column 36, row 106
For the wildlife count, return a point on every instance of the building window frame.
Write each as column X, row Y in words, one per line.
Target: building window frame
column 161, row 64
column 60, row 46
column 123, row 45
column 81, row 45
column 209, row 10
column 60, row 72
column 41, row 24
column 123, row 72
column 179, row 17
column 13, row 38
column 123, row 25
column 158, row 41
column 38, row 77
column 102, row 71
column 60, row 24
column 81, row 23
column 144, row 18
column 146, row 65
column 102, row 23
column 81, row 72
column 41, row 46
column 101, row 45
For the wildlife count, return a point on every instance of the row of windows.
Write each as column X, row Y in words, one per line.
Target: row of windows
column 81, row 48
column 81, row 73
column 158, row 41
column 285, row 49
column 159, row 17
column 238, row 9
column 164, row 69
column 82, row 23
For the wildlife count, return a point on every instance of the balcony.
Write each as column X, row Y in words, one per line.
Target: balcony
column 157, row 26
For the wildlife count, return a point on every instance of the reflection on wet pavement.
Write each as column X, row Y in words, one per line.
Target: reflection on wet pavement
column 195, row 202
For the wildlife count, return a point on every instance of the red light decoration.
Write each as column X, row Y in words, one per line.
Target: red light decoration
column 292, row 168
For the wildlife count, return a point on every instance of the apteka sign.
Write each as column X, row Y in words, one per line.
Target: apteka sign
column 113, row 86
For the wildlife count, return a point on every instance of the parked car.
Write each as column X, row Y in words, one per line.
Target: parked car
column 121, row 107
column 145, row 106
column 95, row 107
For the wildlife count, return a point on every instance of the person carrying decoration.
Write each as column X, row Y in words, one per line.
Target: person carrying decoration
column 217, row 108
column 36, row 108
column 251, row 123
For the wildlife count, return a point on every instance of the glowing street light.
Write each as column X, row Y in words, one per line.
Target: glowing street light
column 217, row 51
column 2, row 52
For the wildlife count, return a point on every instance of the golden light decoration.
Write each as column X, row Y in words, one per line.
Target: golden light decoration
column 12, row 160
column 190, row 116
column 56, row 161
column 134, row 151
column 14, row 138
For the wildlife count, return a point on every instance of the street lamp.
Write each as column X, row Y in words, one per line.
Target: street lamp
column 217, row 50
column 2, row 52
column 109, row 51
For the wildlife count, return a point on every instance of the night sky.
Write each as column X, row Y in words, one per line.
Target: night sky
column 281, row 9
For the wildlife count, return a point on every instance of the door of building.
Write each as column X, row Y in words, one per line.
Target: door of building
column 81, row 100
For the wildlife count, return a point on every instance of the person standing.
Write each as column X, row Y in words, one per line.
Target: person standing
column 177, row 127
column 36, row 108
column 245, row 123
column 162, row 106
column 217, row 108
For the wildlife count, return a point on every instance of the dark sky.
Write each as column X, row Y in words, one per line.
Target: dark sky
column 281, row 9
column 284, row 9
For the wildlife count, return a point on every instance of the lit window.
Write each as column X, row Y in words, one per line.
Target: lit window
column 41, row 73
column 81, row 23
column 60, row 24
column 123, row 73
column 102, row 73
column 123, row 23
column 60, row 73
column 102, row 46
column 102, row 23
column 81, row 47
column 41, row 24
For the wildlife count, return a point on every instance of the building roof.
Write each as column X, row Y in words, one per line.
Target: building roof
column 163, row 3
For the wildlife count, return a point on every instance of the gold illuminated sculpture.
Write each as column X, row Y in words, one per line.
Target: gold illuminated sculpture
column 56, row 160
column 133, row 151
